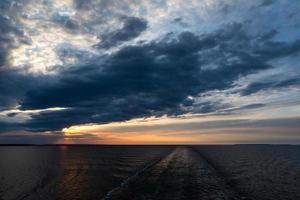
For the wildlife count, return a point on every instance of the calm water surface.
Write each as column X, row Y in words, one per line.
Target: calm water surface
column 248, row 172
column 69, row 172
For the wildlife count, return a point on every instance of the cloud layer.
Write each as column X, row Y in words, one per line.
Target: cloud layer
column 99, row 62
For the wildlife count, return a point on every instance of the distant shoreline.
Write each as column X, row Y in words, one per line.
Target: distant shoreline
column 147, row 144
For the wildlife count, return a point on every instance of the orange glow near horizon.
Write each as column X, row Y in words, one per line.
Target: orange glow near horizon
column 165, row 130
column 138, row 131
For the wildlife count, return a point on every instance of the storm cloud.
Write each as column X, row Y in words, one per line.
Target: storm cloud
column 262, row 86
column 132, row 66
column 151, row 79
column 132, row 27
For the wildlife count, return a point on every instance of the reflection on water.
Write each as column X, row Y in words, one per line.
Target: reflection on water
column 69, row 172
column 26, row 170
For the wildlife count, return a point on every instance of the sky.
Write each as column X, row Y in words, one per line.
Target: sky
column 149, row 72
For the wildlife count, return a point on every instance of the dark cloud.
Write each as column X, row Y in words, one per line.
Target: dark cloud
column 253, row 106
column 275, row 84
column 278, row 49
column 288, row 123
column 146, row 79
column 269, row 35
column 131, row 29
column 6, row 127
column 180, row 22
column 236, row 110
column 150, row 79
column 65, row 21
column 83, row 4
column 267, row 2
column 207, row 107
column 66, row 52
column 11, row 114
column 14, row 85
